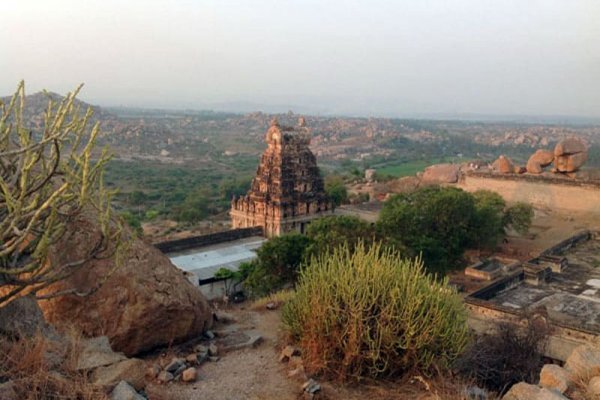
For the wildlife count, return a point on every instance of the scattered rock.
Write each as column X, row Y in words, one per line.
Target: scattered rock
column 189, row 374
column 214, row 359
column 582, row 360
column 475, row 393
column 254, row 341
column 272, row 305
column 200, row 348
column 177, row 373
column 22, row 318
column 165, row 377
column 311, row 386
column 554, row 377
column 96, row 352
column 132, row 370
column 145, row 303
column 503, row 165
column 209, row 335
column 213, row 350
column 124, row 391
column 522, row 391
column 192, row 359
column 174, row 365
column 441, row 173
column 153, row 371
column 287, row 353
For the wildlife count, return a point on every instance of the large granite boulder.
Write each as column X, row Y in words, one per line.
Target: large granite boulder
column 146, row 302
column 570, row 155
column 539, row 160
column 441, row 173
column 503, row 165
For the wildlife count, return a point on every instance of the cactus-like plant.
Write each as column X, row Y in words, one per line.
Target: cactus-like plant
column 371, row 313
column 47, row 178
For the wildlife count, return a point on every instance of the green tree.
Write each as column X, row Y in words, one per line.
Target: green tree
column 370, row 313
column 433, row 221
column 194, row 208
column 133, row 222
column 519, row 217
column 277, row 263
column 489, row 221
column 331, row 232
column 336, row 190
column 48, row 178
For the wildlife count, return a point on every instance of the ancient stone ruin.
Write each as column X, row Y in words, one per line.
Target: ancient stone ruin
column 287, row 191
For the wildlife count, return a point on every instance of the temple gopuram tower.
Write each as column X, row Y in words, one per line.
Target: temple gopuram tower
column 287, row 192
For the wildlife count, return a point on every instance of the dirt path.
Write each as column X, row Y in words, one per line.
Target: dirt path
column 246, row 374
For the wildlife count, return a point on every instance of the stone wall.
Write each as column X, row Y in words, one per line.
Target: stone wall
column 206, row 240
column 562, row 194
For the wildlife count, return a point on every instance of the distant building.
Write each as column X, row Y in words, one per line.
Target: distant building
column 287, row 192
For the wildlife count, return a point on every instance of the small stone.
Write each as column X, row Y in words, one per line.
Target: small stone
column 522, row 391
column 593, row 387
column 555, row 378
column 209, row 335
column 200, row 348
column 271, row 305
column 165, row 377
column 192, row 359
column 174, row 365
column 179, row 371
column 287, row 353
column 153, row 371
column 475, row 393
column 189, row 375
column 214, row 359
column 124, row 391
column 311, row 386
column 213, row 350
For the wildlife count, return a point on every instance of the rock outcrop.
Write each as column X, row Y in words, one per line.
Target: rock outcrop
column 570, row 155
column 579, row 379
column 146, row 302
column 441, row 173
column 539, row 160
column 504, row 165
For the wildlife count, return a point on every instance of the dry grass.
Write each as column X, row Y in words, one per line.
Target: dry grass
column 41, row 369
column 278, row 298
column 579, row 391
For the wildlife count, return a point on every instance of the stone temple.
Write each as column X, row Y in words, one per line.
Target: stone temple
column 287, row 192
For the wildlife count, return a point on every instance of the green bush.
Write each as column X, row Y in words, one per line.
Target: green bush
column 277, row 264
column 370, row 313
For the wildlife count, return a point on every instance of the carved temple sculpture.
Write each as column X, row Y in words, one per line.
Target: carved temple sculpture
column 287, row 192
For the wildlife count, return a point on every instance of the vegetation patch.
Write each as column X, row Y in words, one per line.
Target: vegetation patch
column 371, row 313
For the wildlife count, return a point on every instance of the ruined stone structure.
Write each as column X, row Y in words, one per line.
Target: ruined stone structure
column 287, row 191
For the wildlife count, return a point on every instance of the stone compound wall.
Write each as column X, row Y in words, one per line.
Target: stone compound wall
column 206, row 240
column 561, row 194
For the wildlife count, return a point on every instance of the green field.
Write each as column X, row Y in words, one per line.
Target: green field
column 404, row 169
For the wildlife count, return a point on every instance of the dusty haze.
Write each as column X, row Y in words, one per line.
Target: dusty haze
column 370, row 58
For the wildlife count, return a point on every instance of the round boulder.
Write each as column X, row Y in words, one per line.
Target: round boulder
column 145, row 302
column 441, row 173
column 570, row 155
column 503, row 165
column 539, row 160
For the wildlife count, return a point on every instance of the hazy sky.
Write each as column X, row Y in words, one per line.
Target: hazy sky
column 368, row 57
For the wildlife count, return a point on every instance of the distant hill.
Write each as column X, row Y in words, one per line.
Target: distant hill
column 36, row 105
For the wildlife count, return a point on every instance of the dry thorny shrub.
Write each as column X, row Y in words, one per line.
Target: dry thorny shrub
column 40, row 368
column 511, row 355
